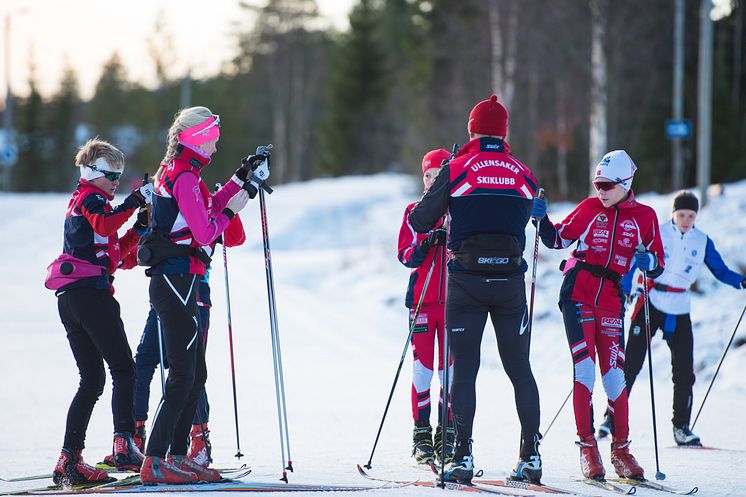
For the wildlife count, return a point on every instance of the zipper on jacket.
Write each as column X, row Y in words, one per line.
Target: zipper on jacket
column 611, row 253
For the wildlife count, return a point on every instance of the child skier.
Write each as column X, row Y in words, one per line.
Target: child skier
column 687, row 251
column 608, row 229
column 89, row 311
column 417, row 251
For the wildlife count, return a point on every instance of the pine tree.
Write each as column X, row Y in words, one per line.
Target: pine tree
column 31, row 166
column 353, row 128
column 63, row 116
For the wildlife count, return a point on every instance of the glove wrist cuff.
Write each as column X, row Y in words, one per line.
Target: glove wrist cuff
column 228, row 212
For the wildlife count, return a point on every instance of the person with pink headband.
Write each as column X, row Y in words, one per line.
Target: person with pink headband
column 186, row 218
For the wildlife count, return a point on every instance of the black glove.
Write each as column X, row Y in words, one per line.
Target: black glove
column 435, row 238
column 248, row 164
column 143, row 220
column 743, row 283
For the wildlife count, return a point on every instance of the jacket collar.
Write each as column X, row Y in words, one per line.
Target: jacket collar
column 484, row 144
column 194, row 156
column 85, row 184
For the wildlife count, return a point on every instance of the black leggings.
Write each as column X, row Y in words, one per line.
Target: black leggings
column 96, row 334
column 682, row 358
column 174, row 298
column 470, row 299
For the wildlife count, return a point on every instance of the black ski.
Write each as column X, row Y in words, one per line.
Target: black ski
column 655, row 486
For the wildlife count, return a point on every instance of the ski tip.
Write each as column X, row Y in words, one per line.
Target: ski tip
column 361, row 470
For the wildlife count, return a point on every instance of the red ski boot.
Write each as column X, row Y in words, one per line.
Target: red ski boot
column 126, row 454
column 203, row 473
column 624, row 463
column 158, row 470
column 590, row 459
column 72, row 470
column 200, row 449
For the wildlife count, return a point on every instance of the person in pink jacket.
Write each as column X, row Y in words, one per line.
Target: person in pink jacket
column 186, row 218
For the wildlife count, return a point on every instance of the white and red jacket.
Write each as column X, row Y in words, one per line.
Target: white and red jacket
column 606, row 240
column 412, row 256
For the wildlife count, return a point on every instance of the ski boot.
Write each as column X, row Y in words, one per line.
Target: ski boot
column 624, row 463
column 528, row 467
column 684, row 436
column 72, row 470
column 607, row 427
column 590, row 459
column 126, row 454
column 186, row 464
column 139, row 436
column 200, row 449
column 158, row 470
column 461, row 468
column 450, row 443
column 422, row 445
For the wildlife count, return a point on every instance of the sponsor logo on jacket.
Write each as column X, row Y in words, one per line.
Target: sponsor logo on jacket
column 611, row 322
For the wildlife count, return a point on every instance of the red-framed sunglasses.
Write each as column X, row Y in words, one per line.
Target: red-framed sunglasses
column 608, row 185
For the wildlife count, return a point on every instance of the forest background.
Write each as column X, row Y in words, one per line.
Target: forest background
column 401, row 81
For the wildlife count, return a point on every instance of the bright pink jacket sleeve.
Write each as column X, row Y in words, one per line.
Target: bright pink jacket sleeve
column 188, row 196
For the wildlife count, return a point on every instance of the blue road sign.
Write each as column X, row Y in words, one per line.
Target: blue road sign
column 678, row 129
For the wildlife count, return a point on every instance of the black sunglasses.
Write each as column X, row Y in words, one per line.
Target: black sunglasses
column 110, row 175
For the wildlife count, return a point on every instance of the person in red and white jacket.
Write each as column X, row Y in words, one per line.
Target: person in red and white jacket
column 418, row 251
column 607, row 230
column 91, row 314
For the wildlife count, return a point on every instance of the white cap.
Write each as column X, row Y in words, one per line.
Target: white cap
column 616, row 166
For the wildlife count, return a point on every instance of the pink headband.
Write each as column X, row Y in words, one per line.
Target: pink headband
column 201, row 133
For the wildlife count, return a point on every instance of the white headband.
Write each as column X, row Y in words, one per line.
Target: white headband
column 88, row 173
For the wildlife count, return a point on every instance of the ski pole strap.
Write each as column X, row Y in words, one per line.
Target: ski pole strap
column 664, row 288
column 597, row 270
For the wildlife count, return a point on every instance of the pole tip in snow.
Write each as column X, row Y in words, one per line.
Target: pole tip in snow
column 290, row 466
column 660, row 475
column 238, row 455
column 284, row 477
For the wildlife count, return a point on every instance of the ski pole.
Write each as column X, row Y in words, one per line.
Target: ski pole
column 533, row 271
column 558, row 413
column 238, row 455
column 287, row 464
column 446, row 383
column 658, row 474
column 718, row 368
column 403, row 355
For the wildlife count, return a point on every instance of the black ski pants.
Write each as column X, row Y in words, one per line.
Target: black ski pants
column 174, row 298
column 96, row 334
column 471, row 298
column 682, row 358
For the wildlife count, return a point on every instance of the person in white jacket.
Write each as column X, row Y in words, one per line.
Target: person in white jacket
column 687, row 250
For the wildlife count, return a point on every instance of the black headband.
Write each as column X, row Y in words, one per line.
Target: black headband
column 686, row 201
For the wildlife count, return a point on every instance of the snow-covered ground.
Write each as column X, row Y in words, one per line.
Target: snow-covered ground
column 342, row 321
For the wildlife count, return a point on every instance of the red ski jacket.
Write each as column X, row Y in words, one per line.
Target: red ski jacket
column 606, row 239
column 412, row 256
column 91, row 225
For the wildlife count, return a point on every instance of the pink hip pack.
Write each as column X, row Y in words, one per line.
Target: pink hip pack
column 67, row 269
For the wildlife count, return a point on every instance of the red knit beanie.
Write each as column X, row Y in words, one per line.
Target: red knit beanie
column 434, row 158
column 489, row 117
